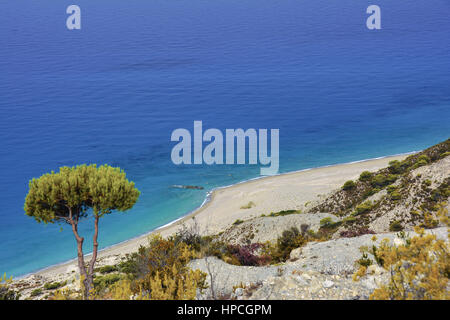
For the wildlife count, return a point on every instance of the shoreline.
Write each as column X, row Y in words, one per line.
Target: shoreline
column 132, row 244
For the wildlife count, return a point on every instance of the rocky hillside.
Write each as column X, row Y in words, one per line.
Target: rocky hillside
column 393, row 199
column 397, row 198
column 405, row 194
column 270, row 227
column 319, row 270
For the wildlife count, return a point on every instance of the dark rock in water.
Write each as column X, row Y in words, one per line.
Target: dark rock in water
column 187, row 187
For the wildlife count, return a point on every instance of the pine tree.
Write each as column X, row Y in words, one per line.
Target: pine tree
column 72, row 194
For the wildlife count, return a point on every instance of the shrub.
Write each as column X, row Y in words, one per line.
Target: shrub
column 246, row 255
column 396, row 167
column 395, row 226
column 160, row 271
column 107, row 269
column 378, row 180
column 418, row 269
column 349, row 185
column 428, row 221
column 363, row 208
column 177, row 285
column 349, row 220
column 5, row 292
column 391, row 178
column 364, row 261
column 36, row 292
column 237, row 222
column 391, row 189
column 395, row 195
column 422, row 160
column 284, row 213
column 393, row 192
column 290, row 239
column 445, row 154
column 54, row 285
column 329, row 223
column 217, row 249
column 365, row 176
column 190, row 236
column 174, row 286
column 424, row 157
column 370, row 192
column 325, row 222
column 304, row 228
column 157, row 255
column 381, row 180
column 105, row 281
column 420, row 163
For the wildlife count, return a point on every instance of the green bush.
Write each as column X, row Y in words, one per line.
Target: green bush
column 445, row 154
column 106, row 269
column 420, row 163
column 363, row 208
column 395, row 226
column 36, row 292
column 326, row 222
column 238, row 221
column 289, row 240
column 371, row 192
column 349, row 220
column 364, row 261
column 103, row 282
column 54, row 285
column 423, row 160
column 395, row 195
column 329, row 223
column 380, row 180
column 365, row 176
column 424, row 157
column 396, row 167
column 349, row 185
column 217, row 249
column 391, row 189
column 393, row 192
column 283, row 213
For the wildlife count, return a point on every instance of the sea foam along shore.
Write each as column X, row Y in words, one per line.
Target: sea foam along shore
column 225, row 205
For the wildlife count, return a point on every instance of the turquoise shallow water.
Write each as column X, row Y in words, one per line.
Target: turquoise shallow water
column 113, row 92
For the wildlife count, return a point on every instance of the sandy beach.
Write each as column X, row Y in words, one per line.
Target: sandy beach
column 293, row 190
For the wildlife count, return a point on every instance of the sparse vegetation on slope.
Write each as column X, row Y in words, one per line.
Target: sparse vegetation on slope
column 418, row 268
column 406, row 194
column 5, row 291
column 402, row 195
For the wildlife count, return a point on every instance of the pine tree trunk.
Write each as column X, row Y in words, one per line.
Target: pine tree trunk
column 83, row 274
column 90, row 273
column 81, row 265
column 87, row 276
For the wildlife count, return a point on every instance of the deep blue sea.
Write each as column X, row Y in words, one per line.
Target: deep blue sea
column 114, row 91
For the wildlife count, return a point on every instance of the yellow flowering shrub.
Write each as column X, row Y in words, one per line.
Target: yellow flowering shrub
column 5, row 292
column 418, row 269
column 175, row 285
column 159, row 271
